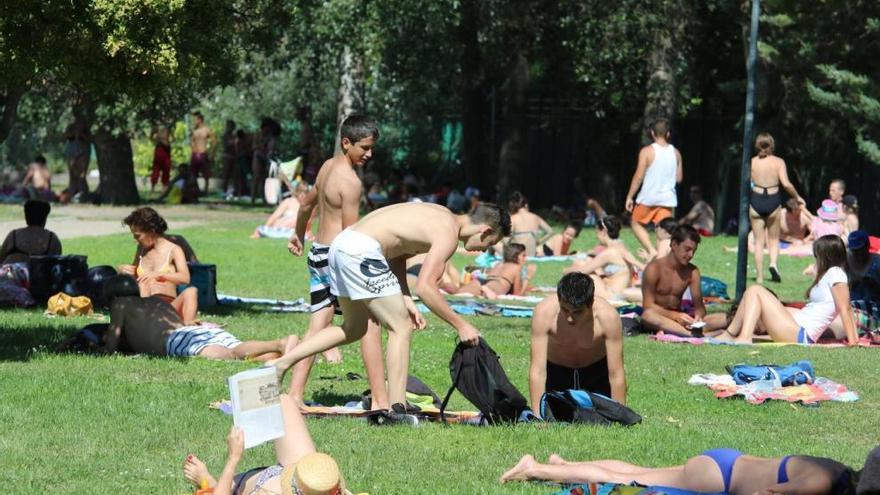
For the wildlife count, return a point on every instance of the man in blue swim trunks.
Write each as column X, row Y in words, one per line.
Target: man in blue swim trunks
column 152, row 326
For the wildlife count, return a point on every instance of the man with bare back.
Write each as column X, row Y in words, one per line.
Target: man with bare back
column 38, row 180
column 577, row 343
column 337, row 195
column 658, row 170
column 367, row 264
column 201, row 141
column 664, row 283
column 149, row 325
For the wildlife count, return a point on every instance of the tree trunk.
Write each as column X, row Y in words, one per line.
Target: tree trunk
column 116, row 166
column 351, row 86
column 475, row 152
column 512, row 153
column 661, row 98
column 9, row 102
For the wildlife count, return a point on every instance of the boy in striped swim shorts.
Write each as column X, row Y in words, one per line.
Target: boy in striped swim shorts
column 151, row 326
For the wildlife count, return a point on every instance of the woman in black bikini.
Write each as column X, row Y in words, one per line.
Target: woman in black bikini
column 769, row 176
column 503, row 278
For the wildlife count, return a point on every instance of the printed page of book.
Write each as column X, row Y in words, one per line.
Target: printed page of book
column 256, row 407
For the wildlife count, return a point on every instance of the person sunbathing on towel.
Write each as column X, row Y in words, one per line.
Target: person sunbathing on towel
column 449, row 282
column 152, row 326
column 504, row 278
column 300, row 468
column 664, row 283
column 560, row 244
column 613, row 266
column 162, row 266
column 282, row 222
column 828, row 296
column 577, row 343
column 714, row 471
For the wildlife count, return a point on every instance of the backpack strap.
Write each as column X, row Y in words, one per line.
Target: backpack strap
column 449, row 394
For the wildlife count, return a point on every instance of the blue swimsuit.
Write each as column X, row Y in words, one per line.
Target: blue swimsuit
column 726, row 458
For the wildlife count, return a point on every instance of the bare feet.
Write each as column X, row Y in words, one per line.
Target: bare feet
column 195, row 471
column 281, row 366
column 556, row 460
column 520, row 471
column 256, row 234
column 333, row 356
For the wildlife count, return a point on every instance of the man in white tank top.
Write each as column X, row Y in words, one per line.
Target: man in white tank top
column 657, row 173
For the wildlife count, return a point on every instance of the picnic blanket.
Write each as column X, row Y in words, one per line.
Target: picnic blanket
column 616, row 489
column 759, row 391
column 354, row 410
column 278, row 305
column 675, row 339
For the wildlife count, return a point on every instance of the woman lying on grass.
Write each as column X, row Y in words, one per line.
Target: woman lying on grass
column 828, row 297
column 507, row 277
column 300, row 470
column 713, row 471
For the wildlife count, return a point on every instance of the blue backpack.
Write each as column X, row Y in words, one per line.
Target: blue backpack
column 798, row 373
column 712, row 287
column 579, row 406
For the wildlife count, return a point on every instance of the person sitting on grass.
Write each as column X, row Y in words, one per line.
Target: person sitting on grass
column 526, row 228
column 701, row 216
column 504, row 278
column 162, row 265
column 560, row 244
column 664, row 235
column 149, row 325
column 33, row 240
column 614, row 266
column 714, row 471
column 577, row 343
column 282, row 222
column 795, row 225
column 300, row 468
column 828, row 296
column 663, row 286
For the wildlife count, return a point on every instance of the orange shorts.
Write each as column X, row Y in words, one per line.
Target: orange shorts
column 650, row 214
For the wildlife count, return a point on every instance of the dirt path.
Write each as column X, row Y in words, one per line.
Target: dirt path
column 69, row 221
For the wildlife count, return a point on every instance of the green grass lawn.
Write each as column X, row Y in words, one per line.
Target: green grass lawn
column 80, row 424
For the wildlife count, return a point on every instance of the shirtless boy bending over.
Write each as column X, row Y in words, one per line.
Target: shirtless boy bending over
column 577, row 343
column 664, row 283
column 367, row 263
column 337, row 195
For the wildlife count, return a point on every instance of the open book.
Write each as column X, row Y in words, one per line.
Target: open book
column 256, row 408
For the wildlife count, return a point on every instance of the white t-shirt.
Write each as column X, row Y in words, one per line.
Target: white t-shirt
column 815, row 317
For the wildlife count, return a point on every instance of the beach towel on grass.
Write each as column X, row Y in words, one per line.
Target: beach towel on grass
column 758, row 392
column 615, row 489
column 429, row 413
column 474, row 308
column 280, row 305
column 675, row 339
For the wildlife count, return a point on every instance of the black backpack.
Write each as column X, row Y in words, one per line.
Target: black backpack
column 478, row 375
column 580, row 406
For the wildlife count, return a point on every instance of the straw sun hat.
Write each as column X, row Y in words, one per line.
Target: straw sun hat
column 314, row 474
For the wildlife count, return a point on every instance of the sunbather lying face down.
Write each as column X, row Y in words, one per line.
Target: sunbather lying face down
column 152, row 326
column 713, row 471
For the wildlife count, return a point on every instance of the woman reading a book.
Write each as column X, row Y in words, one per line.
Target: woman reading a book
column 300, row 468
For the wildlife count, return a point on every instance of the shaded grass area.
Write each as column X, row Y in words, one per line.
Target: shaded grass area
column 83, row 424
